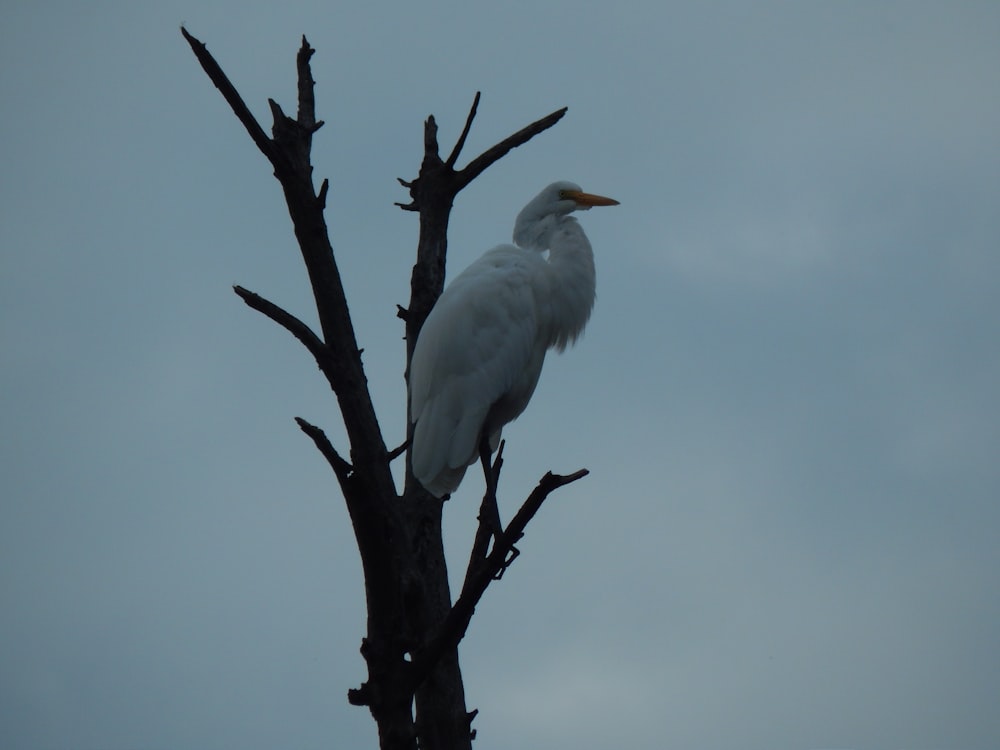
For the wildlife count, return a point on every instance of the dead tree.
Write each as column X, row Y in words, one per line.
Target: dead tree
column 411, row 644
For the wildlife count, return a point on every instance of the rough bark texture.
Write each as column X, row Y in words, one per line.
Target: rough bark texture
column 413, row 630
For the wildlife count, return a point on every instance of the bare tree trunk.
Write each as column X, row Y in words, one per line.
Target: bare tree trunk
column 414, row 628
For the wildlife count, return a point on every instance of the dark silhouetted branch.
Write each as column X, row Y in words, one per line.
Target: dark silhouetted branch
column 398, row 451
column 290, row 323
column 307, row 87
column 230, row 94
column 460, row 143
column 289, row 153
column 492, row 155
column 483, row 571
column 340, row 467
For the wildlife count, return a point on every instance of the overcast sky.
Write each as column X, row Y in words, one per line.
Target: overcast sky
column 787, row 396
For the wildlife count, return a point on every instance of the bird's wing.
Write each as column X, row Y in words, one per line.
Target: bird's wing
column 475, row 344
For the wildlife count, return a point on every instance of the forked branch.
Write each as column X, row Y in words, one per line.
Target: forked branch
column 492, row 155
column 336, row 351
column 483, row 571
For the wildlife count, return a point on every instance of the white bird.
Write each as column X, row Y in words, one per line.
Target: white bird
column 480, row 351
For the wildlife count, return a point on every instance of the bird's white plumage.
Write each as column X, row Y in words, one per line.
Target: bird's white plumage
column 480, row 352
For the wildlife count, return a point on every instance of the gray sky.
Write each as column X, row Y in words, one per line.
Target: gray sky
column 787, row 396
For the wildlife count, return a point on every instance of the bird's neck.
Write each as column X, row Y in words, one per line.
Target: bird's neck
column 573, row 277
column 533, row 232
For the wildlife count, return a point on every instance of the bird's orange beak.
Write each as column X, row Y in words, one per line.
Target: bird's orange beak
column 589, row 199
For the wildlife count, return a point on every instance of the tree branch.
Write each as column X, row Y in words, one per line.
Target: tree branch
column 290, row 323
column 481, row 574
column 231, row 95
column 431, row 149
column 453, row 157
column 398, row 451
column 289, row 153
column 341, row 468
column 492, row 155
column 307, row 87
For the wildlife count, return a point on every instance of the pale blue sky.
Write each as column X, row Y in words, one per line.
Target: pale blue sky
column 787, row 396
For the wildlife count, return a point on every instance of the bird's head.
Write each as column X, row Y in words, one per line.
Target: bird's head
column 557, row 200
column 572, row 197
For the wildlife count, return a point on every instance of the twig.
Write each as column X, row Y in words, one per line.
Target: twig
column 293, row 325
column 307, row 86
column 430, row 138
column 398, row 451
column 340, row 466
column 231, row 95
column 453, row 157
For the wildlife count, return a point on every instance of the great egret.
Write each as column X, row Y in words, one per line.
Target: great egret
column 480, row 351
